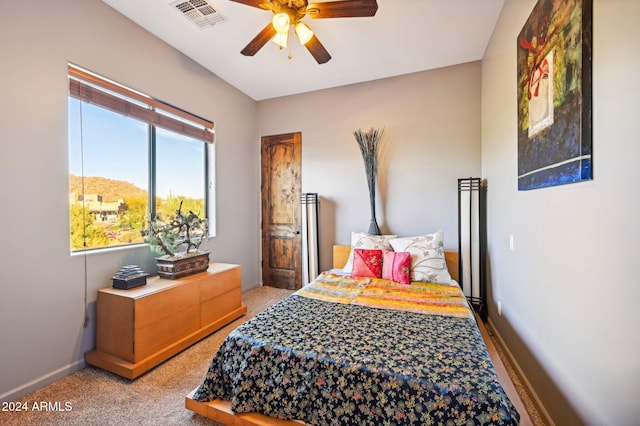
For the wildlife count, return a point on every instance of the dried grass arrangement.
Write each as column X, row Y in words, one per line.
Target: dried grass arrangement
column 369, row 143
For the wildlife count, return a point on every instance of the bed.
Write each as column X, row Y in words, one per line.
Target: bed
column 348, row 349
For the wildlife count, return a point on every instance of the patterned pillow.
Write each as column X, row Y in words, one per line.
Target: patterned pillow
column 366, row 241
column 396, row 266
column 367, row 263
column 427, row 257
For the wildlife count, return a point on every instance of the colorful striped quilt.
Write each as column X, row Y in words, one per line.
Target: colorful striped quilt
column 420, row 297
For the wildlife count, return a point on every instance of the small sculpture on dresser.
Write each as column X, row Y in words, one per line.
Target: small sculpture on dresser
column 129, row 276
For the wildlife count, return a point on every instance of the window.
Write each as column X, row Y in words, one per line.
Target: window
column 131, row 157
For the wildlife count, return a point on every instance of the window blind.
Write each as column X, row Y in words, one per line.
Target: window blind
column 93, row 89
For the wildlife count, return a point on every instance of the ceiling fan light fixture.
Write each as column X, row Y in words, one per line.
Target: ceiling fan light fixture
column 281, row 22
column 288, row 13
column 281, row 39
column 304, row 33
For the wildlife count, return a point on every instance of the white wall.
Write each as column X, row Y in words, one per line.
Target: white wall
column 41, row 284
column 569, row 290
column 432, row 138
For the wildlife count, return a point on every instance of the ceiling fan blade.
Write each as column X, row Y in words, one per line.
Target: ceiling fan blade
column 317, row 50
column 258, row 41
column 260, row 4
column 342, row 9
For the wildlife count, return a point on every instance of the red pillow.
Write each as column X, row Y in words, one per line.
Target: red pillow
column 396, row 266
column 367, row 263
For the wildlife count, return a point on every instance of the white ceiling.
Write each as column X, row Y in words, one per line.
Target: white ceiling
column 404, row 36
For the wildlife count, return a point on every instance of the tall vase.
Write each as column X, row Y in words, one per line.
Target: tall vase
column 369, row 143
column 374, row 229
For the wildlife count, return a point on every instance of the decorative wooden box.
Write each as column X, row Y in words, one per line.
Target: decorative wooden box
column 178, row 267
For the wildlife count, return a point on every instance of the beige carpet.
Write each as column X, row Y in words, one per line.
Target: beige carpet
column 97, row 397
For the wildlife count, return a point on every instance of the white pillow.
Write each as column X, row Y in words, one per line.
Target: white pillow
column 366, row 241
column 427, row 257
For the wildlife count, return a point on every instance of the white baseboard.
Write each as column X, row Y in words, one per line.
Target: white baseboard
column 251, row 287
column 42, row 381
column 523, row 377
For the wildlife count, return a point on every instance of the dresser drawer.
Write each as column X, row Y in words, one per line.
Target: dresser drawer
column 158, row 306
column 226, row 280
column 213, row 309
column 165, row 331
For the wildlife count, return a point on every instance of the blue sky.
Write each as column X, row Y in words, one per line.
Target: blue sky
column 115, row 147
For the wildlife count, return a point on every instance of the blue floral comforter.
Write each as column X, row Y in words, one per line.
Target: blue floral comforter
column 329, row 363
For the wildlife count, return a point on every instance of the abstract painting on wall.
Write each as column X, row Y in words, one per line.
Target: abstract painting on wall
column 554, row 94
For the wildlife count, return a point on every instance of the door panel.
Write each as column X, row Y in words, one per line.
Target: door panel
column 281, row 240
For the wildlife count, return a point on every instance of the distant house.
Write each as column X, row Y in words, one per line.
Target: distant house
column 101, row 210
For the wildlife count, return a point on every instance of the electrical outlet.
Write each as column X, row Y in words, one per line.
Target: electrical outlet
column 499, row 308
column 511, row 241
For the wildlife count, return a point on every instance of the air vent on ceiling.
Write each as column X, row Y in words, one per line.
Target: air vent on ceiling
column 199, row 12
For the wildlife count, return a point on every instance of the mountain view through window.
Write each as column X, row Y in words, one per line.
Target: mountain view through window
column 110, row 158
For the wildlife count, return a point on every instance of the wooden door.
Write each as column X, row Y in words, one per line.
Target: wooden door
column 281, row 239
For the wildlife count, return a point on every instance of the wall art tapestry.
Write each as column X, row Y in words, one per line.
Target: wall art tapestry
column 554, row 94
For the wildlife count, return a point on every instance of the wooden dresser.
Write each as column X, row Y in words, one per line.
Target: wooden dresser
column 139, row 328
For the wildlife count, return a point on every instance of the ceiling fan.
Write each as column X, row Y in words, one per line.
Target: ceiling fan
column 290, row 12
